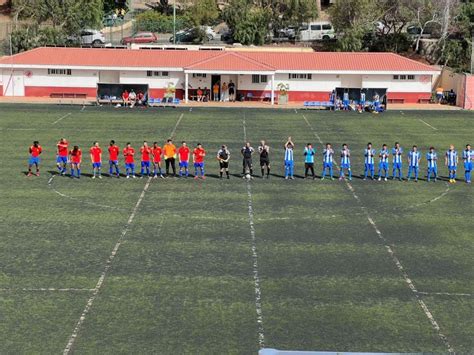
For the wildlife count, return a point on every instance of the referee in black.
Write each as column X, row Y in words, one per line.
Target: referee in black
column 223, row 155
column 247, row 152
column 264, row 151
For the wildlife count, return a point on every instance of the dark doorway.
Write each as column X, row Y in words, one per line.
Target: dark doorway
column 215, row 79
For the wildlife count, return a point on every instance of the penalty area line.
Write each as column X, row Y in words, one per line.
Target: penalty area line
column 50, row 289
column 394, row 258
column 62, row 118
column 426, row 123
column 108, row 265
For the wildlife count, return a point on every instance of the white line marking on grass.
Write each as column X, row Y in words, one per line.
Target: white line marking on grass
column 426, row 123
column 47, row 289
column 50, row 184
column 108, row 265
column 394, row 258
column 173, row 132
column 62, row 117
column 256, row 277
column 445, row 294
column 83, row 108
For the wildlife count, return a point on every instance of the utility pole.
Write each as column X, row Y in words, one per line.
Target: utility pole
column 174, row 21
column 472, row 48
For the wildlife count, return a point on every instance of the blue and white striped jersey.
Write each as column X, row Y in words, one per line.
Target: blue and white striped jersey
column 369, row 155
column 468, row 155
column 397, row 155
column 345, row 157
column 328, row 155
column 414, row 158
column 452, row 156
column 384, row 154
column 432, row 159
column 289, row 154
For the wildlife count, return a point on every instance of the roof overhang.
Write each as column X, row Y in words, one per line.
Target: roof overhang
column 83, row 67
column 357, row 72
column 217, row 71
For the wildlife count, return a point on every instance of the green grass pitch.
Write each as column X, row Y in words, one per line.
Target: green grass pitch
column 185, row 275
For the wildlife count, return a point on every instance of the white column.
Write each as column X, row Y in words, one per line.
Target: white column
column 273, row 90
column 186, row 83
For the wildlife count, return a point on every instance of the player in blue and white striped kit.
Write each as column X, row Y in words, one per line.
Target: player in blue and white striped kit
column 432, row 159
column 289, row 159
column 397, row 161
column 369, row 155
column 414, row 157
column 383, row 163
column 328, row 154
column 467, row 156
column 451, row 161
column 345, row 162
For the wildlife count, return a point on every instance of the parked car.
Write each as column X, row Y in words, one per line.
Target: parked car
column 88, row 37
column 210, row 34
column 431, row 31
column 192, row 35
column 227, row 37
column 285, row 34
column 315, row 31
column 140, row 37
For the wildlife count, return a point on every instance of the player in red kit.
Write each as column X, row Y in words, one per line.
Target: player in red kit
column 129, row 155
column 61, row 156
column 198, row 157
column 96, row 159
column 114, row 151
column 145, row 164
column 75, row 157
column 183, row 154
column 156, row 151
column 35, row 150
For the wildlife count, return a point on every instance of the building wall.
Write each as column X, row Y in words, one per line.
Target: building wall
column 156, row 85
column 409, row 90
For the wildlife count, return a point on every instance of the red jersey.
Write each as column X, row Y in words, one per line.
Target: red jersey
column 62, row 148
column 76, row 156
column 96, row 153
column 183, row 153
column 35, row 151
column 156, row 152
column 113, row 152
column 146, row 151
column 128, row 153
column 199, row 154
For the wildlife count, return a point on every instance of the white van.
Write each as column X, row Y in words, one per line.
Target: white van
column 316, row 31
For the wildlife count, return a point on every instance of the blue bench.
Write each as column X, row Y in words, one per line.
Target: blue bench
column 318, row 104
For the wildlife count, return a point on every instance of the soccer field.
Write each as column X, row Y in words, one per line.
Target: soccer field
column 117, row 266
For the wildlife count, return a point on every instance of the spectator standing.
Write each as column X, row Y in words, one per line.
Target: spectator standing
column 215, row 92
column 439, row 94
column 225, row 88
column 231, row 91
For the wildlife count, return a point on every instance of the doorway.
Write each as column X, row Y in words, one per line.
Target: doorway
column 215, row 79
column 13, row 84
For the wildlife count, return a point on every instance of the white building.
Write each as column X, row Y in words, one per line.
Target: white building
column 257, row 74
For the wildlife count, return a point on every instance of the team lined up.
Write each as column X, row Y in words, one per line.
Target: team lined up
column 151, row 160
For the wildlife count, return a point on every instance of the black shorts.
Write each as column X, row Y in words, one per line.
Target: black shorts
column 231, row 91
column 247, row 162
column 224, row 164
column 264, row 162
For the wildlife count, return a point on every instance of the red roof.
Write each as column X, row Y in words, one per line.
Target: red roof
column 217, row 60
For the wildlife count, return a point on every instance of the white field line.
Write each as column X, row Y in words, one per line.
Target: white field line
column 173, row 132
column 108, row 265
column 426, row 123
column 83, row 108
column 47, row 289
column 394, row 258
column 62, row 117
column 50, row 184
column 256, row 277
column 446, row 294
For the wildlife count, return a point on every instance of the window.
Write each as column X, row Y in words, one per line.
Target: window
column 257, row 79
column 157, row 73
column 404, row 77
column 315, row 27
column 300, row 76
column 59, row 71
column 198, row 75
column 327, row 27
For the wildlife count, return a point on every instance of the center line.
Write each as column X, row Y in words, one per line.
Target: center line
column 108, row 264
column 426, row 123
column 256, row 277
column 394, row 258
column 62, row 117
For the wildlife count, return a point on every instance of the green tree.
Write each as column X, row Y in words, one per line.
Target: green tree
column 203, row 12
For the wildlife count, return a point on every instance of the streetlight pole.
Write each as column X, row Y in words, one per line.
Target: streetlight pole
column 174, row 21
